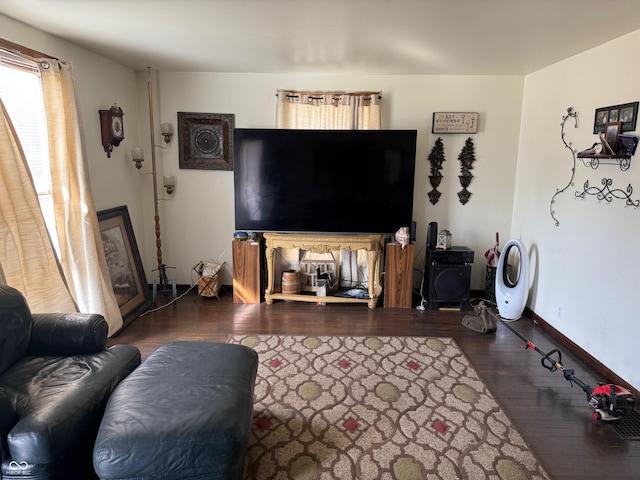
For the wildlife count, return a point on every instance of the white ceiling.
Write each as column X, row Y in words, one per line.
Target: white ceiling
column 406, row 37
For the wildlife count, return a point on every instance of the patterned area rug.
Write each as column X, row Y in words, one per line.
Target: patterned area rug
column 405, row 408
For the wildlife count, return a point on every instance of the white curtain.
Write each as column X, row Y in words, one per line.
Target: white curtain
column 81, row 253
column 29, row 263
column 328, row 110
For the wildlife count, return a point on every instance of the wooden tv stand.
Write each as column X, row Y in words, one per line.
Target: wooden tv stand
column 325, row 244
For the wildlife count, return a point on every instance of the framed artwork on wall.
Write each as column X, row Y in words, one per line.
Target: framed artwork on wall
column 626, row 114
column 123, row 259
column 455, row 122
column 206, row 140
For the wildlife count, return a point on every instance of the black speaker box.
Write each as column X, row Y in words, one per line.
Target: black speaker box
column 449, row 283
column 432, row 234
column 448, row 277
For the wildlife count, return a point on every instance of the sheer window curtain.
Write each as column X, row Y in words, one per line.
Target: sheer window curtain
column 81, row 253
column 26, row 253
column 327, row 110
column 28, row 261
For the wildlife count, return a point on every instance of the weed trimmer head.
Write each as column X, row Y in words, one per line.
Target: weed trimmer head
column 484, row 321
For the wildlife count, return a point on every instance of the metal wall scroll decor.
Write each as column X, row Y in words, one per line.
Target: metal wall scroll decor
column 608, row 194
column 571, row 113
column 467, row 157
column 436, row 159
column 206, row 140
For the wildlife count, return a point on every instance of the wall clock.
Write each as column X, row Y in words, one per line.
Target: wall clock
column 111, row 127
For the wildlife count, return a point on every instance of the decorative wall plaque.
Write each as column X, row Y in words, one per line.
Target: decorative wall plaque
column 206, row 140
column 455, row 122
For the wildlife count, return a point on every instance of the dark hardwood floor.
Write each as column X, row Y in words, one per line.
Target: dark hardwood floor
column 553, row 417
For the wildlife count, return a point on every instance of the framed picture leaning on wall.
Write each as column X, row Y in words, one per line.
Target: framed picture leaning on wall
column 611, row 132
column 125, row 266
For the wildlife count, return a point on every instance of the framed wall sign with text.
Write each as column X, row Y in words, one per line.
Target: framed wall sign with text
column 455, row 122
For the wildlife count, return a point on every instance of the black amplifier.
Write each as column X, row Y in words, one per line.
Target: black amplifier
column 457, row 255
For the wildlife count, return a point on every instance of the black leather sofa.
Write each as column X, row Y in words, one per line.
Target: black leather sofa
column 56, row 376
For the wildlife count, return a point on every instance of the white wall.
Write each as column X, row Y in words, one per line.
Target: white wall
column 197, row 222
column 99, row 82
column 585, row 269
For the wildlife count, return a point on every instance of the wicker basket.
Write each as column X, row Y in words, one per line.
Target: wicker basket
column 209, row 279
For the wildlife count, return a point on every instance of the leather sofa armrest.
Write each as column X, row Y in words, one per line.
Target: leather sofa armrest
column 64, row 334
column 8, row 419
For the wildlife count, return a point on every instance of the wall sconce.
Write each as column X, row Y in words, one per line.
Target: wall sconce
column 169, row 182
column 167, row 131
column 137, row 155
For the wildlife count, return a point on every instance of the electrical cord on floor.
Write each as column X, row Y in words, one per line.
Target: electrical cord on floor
column 169, row 303
column 193, row 285
column 423, row 301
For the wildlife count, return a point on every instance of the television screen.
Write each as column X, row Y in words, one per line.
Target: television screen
column 335, row 181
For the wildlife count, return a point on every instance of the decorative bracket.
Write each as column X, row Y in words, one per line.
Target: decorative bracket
column 594, row 161
column 608, row 194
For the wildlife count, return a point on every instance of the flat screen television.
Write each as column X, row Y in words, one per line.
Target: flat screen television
column 336, row 181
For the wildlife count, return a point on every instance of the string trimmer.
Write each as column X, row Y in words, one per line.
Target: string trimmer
column 608, row 401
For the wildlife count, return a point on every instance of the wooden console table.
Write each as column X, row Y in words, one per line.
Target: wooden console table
column 325, row 244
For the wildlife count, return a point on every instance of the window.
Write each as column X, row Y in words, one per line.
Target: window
column 21, row 93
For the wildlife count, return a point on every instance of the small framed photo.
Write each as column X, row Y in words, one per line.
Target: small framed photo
column 125, row 266
column 611, row 132
column 205, row 140
column 626, row 114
